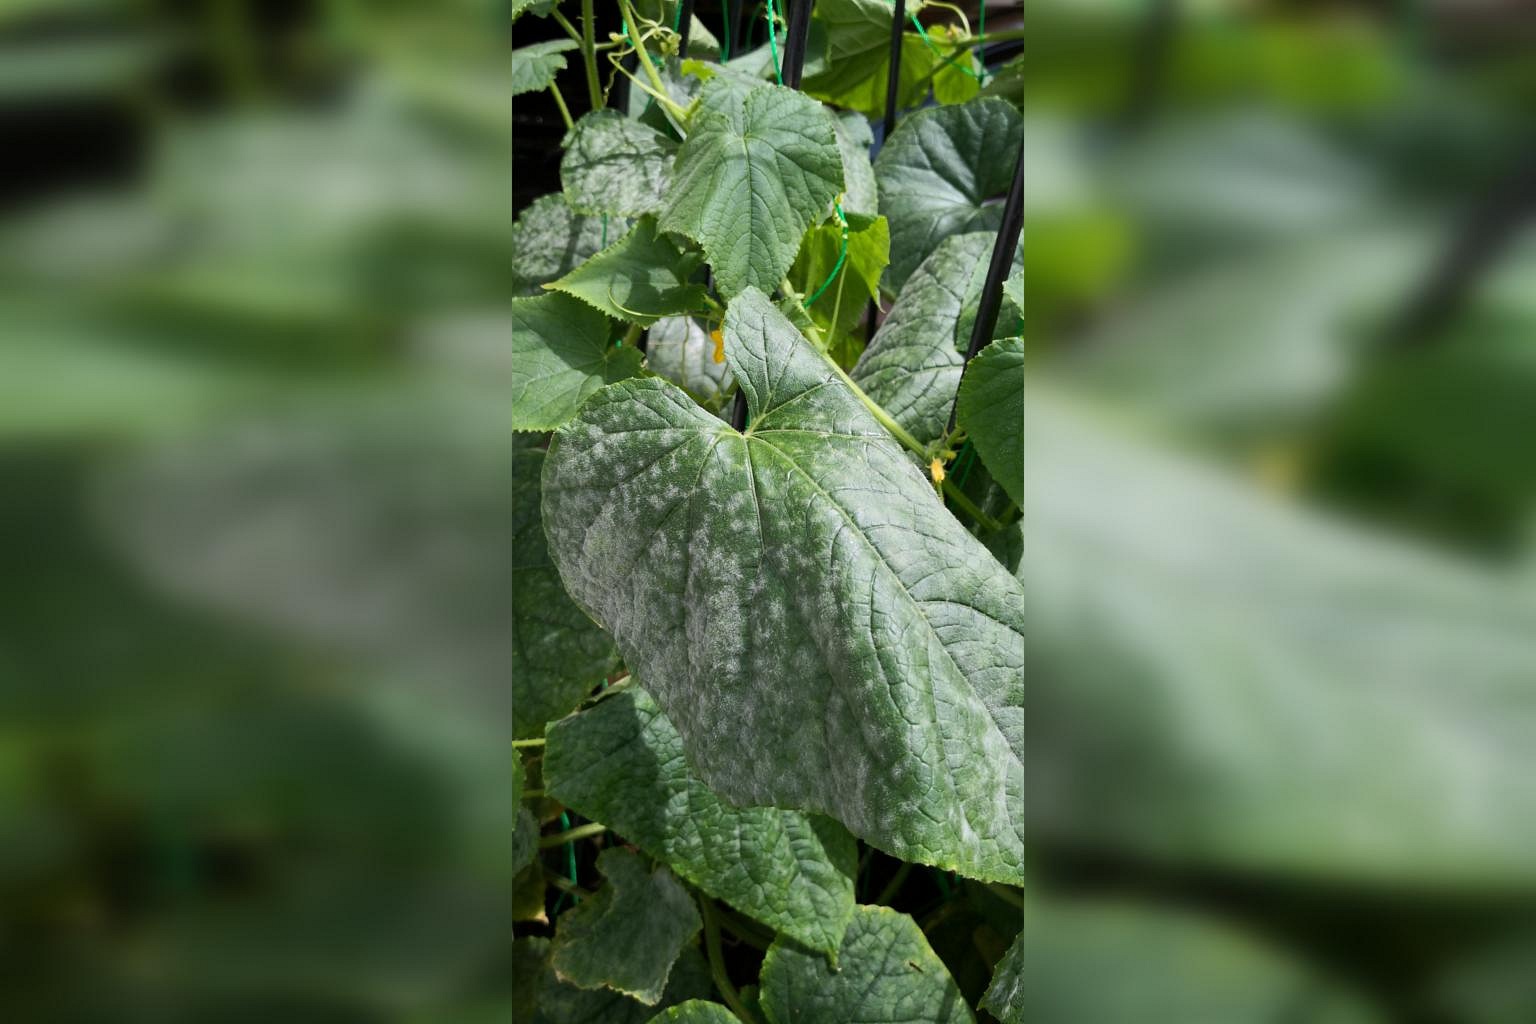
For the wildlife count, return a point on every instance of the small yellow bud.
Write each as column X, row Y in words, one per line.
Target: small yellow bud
column 719, row 340
column 936, row 470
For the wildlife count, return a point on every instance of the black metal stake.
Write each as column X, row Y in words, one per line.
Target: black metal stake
column 894, row 77
column 1002, row 260
column 794, row 43
column 685, row 23
column 732, row 16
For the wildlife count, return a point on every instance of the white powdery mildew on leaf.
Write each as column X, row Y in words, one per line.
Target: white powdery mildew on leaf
column 613, row 164
column 622, row 762
column 549, row 239
column 682, row 351
column 912, row 366
column 800, row 594
column 1004, row 998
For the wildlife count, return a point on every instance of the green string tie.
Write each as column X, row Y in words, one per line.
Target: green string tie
column 841, row 255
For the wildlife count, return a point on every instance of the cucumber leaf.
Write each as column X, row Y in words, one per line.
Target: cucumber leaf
column 938, row 174
column 758, row 168
column 682, row 351
column 886, row 972
column 640, row 278
column 562, row 351
column 534, row 67
column 549, row 239
column 622, row 762
column 696, row 1011
column 805, row 597
column 992, row 411
column 615, row 165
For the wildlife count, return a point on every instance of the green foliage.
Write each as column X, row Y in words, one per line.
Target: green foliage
column 563, row 353
column 534, row 67
column 615, row 165
column 640, row 278
column 991, row 409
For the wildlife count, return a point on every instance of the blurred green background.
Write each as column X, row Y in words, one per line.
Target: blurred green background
column 254, row 511
column 1281, row 288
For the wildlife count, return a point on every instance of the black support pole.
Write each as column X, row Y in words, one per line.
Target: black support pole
column 893, row 79
column 684, row 24
column 732, row 16
column 1002, row 259
column 794, row 42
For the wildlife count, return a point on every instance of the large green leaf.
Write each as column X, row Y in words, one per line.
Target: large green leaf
column 562, row 351
column 615, row 165
column 550, row 238
column 1107, row 963
column 992, row 411
column 937, row 174
column 640, row 278
column 682, row 351
column 696, row 1011
column 757, row 169
column 913, row 364
column 534, row 67
column 799, row 592
column 628, row 934
column 1224, row 678
column 886, row 972
column 857, row 61
column 622, row 762
column 558, row 654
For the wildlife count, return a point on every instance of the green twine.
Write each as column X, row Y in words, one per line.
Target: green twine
column 725, row 34
column 841, row 255
column 570, row 861
column 967, row 455
column 677, row 15
column 773, row 47
column 912, row 17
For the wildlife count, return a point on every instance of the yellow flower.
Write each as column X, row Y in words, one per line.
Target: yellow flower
column 936, row 470
column 719, row 340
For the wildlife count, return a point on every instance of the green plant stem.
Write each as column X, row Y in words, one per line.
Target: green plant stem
column 966, row 505
column 743, row 929
column 518, row 744
column 1005, row 36
column 717, row 964
column 894, row 885
column 565, row 112
column 565, row 884
column 565, row 23
column 896, row 429
column 633, row 334
column 586, row 831
column 589, row 53
column 645, row 58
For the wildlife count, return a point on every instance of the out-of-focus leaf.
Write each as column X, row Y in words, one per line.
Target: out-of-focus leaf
column 1491, row 983
column 682, row 351
column 814, row 524
column 538, row 8
column 938, row 173
column 885, row 972
column 622, row 762
column 549, row 239
column 857, row 64
column 534, row 67
column 562, row 352
column 615, row 165
column 1214, row 663
column 758, row 168
column 639, row 279
column 627, row 935
column 991, row 410
column 1107, row 963
column 42, row 70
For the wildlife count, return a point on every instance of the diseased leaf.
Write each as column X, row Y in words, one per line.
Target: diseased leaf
column 1212, row 661
column 805, row 597
column 558, row 653
column 550, row 238
column 528, row 893
column 886, row 972
column 854, row 138
column 560, row 1003
column 682, row 351
column 913, row 364
column 1164, row 965
column 937, row 174
column 869, row 250
column 640, row 278
column 535, row 66
column 615, row 165
column 525, row 839
column 696, row 1011
column 758, row 168
column 992, row 411
column 622, row 762
column 626, row 935
column 562, row 351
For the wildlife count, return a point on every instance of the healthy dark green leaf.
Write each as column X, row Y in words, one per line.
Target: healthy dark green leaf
column 939, row 174
column 640, row 278
column 992, row 411
column 615, row 165
column 696, row 1011
column 534, row 67
column 558, row 654
column 757, row 169
column 627, row 935
column 525, row 839
column 562, row 351
column 622, row 762
column 560, row 1003
column 804, row 596
column 886, row 972
column 857, row 62
column 869, row 251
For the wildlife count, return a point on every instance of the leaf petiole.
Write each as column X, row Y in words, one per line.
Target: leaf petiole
column 571, row 835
